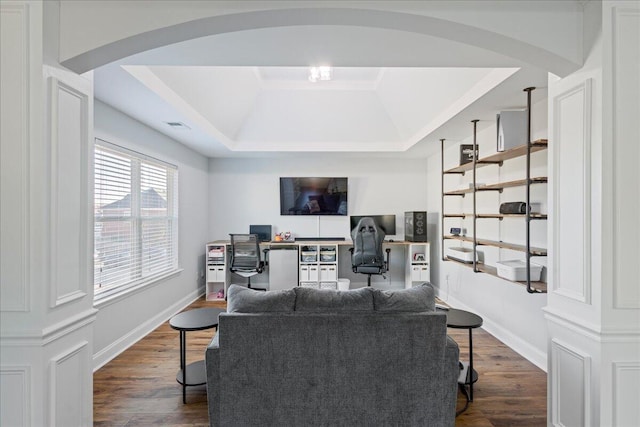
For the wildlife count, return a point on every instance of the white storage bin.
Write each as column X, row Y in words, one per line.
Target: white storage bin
column 461, row 254
column 516, row 270
column 309, row 256
column 343, row 284
column 328, row 285
column 314, row 285
column 327, row 256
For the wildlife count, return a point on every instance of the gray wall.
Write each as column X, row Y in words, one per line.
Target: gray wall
column 124, row 320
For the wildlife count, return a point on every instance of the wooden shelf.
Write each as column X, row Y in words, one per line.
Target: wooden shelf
column 496, row 216
column 509, row 184
column 488, row 269
column 501, row 216
column 498, row 186
column 498, row 158
column 495, row 243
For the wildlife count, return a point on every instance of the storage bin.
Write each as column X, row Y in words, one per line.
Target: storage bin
column 309, row 285
column 327, row 256
column 308, row 256
column 328, row 285
column 516, row 270
column 461, row 254
column 343, row 284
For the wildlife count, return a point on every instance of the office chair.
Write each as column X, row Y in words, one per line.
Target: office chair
column 245, row 257
column 366, row 254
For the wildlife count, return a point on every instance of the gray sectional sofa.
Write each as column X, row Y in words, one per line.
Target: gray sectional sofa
column 308, row 357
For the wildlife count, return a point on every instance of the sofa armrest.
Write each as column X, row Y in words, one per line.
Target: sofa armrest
column 452, row 350
column 212, row 367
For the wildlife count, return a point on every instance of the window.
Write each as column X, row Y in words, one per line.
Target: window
column 136, row 219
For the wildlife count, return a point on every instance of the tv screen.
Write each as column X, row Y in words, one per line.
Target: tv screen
column 313, row 196
column 386, row 222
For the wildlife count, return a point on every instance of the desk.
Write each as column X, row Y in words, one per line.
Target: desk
column 409, row 264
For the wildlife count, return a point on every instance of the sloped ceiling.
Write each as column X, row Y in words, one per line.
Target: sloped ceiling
column 279, row 109
column 245, row 94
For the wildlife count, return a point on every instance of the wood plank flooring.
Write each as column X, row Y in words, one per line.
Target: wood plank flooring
column 139, row 388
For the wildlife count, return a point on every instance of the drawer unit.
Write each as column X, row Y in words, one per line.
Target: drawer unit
column 308, row 273
column 328, row 273
column 216, row 273
column 318, row 264
column 420, row 273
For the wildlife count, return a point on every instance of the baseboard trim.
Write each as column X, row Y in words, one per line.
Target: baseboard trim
column 514, row 342
column 110, row 352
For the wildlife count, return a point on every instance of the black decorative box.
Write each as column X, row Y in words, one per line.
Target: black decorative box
column 466, row 153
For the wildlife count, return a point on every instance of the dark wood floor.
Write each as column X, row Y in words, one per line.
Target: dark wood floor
column 139, row 388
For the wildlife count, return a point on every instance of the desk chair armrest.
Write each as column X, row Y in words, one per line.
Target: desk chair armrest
column 386, row 262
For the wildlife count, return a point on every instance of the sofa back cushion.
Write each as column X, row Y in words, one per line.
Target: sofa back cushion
column 332, row 301
column 416, row 299
column 245, row 300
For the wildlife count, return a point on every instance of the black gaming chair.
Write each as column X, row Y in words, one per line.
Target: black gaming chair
column 366, row 254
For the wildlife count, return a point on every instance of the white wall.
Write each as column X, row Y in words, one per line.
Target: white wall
column 247, row 191
column 509, row 312
column 593, row 314
column 123, row 321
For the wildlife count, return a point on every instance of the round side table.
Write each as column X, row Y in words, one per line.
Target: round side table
column 197, row 319
column 461, row 319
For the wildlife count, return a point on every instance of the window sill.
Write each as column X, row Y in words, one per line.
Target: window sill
column 103, row 301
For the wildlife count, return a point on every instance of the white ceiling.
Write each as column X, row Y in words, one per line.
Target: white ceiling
column 420, row 89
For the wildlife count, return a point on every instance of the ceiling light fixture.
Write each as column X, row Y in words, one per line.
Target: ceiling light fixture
column 323, row 73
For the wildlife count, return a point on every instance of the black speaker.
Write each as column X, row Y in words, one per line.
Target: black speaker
column 513, row 208
column 415, row 226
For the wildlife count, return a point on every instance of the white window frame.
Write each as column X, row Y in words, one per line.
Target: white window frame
column 141, row 274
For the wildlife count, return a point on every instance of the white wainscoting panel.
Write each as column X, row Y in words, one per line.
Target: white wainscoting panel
column 626, row 377
column 14, row 157
column 626, row 152
column 572, row 195
column 70, row 387
column 69, row 139
column 15, row 391
column 571, row 385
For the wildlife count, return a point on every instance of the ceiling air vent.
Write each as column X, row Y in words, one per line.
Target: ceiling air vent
column 177, row 125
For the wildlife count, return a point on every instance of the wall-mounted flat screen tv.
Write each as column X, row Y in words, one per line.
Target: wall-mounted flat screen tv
column 313, row 196
column 386, row 222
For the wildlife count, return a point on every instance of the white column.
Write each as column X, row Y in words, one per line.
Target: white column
column 46, row 301
column 593, row 310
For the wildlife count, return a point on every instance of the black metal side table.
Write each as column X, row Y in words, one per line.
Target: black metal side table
column 197, row 319
column 461, row 319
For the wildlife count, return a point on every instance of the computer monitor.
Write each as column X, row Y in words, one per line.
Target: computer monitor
column 263, row 232
column 386, row 222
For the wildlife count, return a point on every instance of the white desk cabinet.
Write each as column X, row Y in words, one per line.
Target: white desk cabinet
column 216, row 256
column 319, row 266
column 418, row 264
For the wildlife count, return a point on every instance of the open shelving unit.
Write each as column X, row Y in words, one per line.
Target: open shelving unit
column 474, row 188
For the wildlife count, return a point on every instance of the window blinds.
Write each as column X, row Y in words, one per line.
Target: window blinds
column 136, row 218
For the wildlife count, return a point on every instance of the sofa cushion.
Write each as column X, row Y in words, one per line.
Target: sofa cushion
column 415, row 299
column 245, row 300
column 332, row 301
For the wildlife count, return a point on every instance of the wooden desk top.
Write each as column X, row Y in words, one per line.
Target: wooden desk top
column 347, row 242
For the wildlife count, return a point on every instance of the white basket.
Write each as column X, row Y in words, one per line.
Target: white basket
column 313, row 285
column 516, row 270
column 328, row 285
column 461, row 254
column 343, row 284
